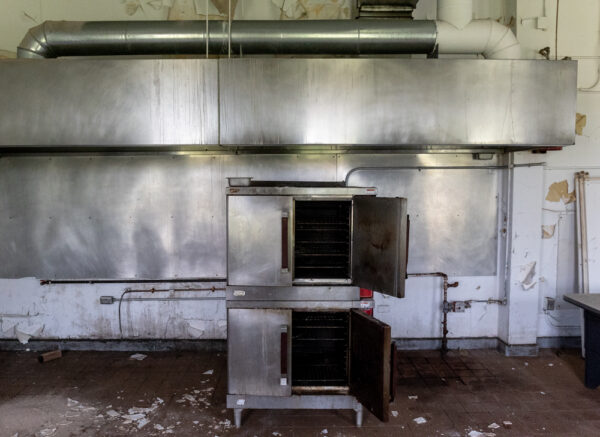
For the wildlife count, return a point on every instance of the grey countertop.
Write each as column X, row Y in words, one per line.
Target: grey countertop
column 589, row 302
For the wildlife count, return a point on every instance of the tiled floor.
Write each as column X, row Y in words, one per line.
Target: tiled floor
column 176, row 393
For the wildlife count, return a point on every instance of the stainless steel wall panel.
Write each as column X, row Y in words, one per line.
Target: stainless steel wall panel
column 128, row 217
column 112, row 217
column 453, row 216
column 397, row 102
column 110, row 103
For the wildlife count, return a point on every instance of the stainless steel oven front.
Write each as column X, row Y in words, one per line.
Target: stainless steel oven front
column 298, row 254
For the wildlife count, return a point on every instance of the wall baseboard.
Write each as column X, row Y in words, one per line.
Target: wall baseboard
column 146, row 345
column 155, row 345
column 515, row 350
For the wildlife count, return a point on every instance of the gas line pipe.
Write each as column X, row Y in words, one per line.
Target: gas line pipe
column 445, row 305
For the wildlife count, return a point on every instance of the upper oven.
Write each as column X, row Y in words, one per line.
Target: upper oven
column 286, row 235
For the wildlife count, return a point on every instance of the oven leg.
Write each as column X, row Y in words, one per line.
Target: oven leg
column 359, row 414
column 237, row 417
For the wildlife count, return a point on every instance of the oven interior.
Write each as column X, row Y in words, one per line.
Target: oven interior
column 320, row 346
column 322, row 239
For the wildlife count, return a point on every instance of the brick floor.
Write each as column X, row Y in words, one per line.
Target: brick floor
column 465, row 391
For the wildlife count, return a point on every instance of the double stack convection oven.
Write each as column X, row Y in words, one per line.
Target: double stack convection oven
column 299, row 255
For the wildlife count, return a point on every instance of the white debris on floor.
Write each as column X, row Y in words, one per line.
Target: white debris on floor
column 413, row 397
column 71, row 402
column 138, row 416
column 420, row 420
column 394, row 413
column 112, row 413
column 138, row 357
column 475, row 433
column 208, row 372
column 493, row 425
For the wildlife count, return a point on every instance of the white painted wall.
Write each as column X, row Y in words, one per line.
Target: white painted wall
column 73, row 311
column 578, row 38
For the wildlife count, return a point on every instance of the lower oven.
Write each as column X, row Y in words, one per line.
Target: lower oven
column 332, row 357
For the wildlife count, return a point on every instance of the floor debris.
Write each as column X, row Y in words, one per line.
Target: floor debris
column 49, row 356
column 413, row 397
column 493, row 425
column 138, row 357
column 47, row 398
column 420, row 420
column 394, row 413
column 208, row 372
column 72, row 402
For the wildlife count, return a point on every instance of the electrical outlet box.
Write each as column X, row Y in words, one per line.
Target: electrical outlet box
column 459, row 307
column 107, row 300
column 549, row 304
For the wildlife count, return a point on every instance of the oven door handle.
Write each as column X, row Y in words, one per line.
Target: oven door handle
column 284, row 355
column 285, row 242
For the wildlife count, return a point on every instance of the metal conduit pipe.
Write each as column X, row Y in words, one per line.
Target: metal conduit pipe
column 53, row 39
column 445, row 304
column 165, row 290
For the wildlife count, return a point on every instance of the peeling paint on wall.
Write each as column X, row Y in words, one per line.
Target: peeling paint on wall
column 559, row 191
column 526, row 275
column 580, row 122
column 314, row 9
column 548, row 231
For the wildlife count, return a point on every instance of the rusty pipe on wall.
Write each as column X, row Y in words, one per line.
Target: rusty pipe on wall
column 165, row 290
column 445, row 305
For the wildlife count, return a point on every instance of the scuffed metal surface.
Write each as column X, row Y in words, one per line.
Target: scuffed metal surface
column 119, row 217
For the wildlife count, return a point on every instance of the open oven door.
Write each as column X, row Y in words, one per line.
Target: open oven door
column 379, row 244
column 372, row 369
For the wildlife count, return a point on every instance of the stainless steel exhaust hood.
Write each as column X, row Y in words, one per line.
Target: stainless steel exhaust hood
column 265, row 103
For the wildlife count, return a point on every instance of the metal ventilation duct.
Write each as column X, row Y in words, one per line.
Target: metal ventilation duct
column 53, row 39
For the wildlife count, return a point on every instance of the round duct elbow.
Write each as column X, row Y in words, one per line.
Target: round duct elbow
column 486, row 37
column 34, row 45
column 459, row 13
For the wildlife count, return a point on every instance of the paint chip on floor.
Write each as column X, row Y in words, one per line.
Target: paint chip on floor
column 208, row 372
column 420, row 420
column 394, row 413
column 138, row 357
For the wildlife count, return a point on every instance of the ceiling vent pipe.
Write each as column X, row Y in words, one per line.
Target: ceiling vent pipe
column 53, row 39
column 453, row 33
column 458, row 33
